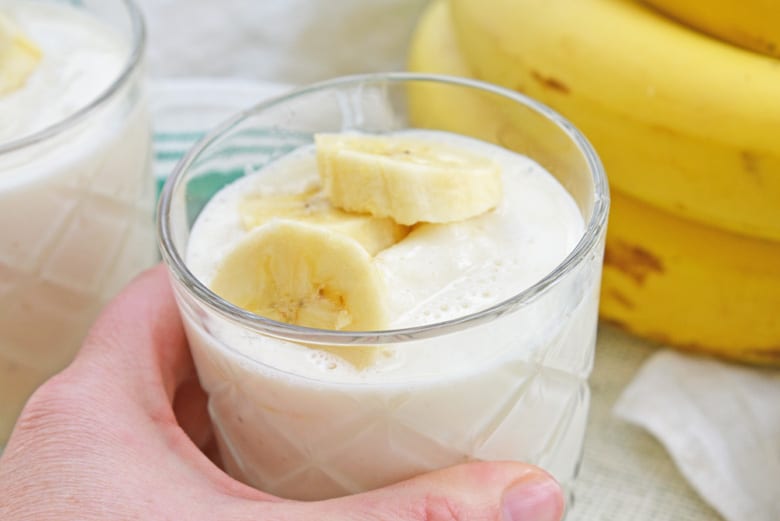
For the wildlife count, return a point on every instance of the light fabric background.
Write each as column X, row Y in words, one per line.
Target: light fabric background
column 293, row 41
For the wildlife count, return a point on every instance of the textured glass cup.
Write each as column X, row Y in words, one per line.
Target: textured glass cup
column 311, row 438
column 76, row 218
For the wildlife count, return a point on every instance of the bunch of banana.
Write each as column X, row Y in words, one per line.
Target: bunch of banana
column 18, row 56
column 752, row 24
column 683, row 121
column 308, row 257
column 690, row 161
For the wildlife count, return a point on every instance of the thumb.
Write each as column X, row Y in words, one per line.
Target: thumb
column 496, row 491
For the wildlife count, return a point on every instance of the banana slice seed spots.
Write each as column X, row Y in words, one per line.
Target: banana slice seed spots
column 409, row 180
column 304, row 275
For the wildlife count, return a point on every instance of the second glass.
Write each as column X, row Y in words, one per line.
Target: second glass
column 76, row 187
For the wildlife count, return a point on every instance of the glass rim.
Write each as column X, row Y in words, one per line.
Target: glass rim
column 265, row 326
column 138, row 26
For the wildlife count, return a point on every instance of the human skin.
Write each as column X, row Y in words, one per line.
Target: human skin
column 123, row 434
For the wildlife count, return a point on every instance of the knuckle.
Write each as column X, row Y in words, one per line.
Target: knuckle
column 440, row 508
column 54, row 404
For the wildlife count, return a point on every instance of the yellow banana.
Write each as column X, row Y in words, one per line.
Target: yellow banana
column 472, row 112
column 682, row 121
column 434, row 49
column 665, row 278
column 697, row 287
column 752, row 24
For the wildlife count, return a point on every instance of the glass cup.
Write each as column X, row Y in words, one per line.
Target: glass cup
column 76, row 218
column 309, row 438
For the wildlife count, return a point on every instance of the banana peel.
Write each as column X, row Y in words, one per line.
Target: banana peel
column 682, row 121
column 666, row 278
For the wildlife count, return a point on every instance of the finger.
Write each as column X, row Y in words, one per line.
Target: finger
column 135, row 367
column 137, row 353
column 476, row 491
column 138, row 344
column 495, row 491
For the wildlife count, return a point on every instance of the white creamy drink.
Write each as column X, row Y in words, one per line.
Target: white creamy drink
column 75, row 202
column 305, row 423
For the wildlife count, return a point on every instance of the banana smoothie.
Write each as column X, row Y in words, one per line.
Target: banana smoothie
column 76, row 195
column 368, row 233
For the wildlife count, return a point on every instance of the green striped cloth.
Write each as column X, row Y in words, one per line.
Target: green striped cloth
column 238, row 153
column 185, row 110
column 169, row 149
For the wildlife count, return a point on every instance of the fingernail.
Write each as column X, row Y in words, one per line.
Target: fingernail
column 537, row 500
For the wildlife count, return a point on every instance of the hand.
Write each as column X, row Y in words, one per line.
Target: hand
column 121, row 435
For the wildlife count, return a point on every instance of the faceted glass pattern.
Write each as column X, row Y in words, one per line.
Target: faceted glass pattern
column 77, row 225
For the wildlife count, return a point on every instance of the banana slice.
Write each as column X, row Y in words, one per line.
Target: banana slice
column 310, row 276
column 312, row 206
column 18, row 56
column 407, row 179
column 306, row 275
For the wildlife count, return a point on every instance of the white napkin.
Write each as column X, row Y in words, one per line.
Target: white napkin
column 721, row 425
column 290, row 41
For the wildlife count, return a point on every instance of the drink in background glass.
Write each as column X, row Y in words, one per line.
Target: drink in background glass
column 506, row 379
column 76, row 192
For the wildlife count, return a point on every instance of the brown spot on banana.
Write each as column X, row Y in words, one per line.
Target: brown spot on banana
column 634, row 261
column 551, row 83
column 663, row 129
column 620, row 298
column 768, row 357
column 620, row 324
column 755, row 42
column 751, row 165
column 771, row 355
